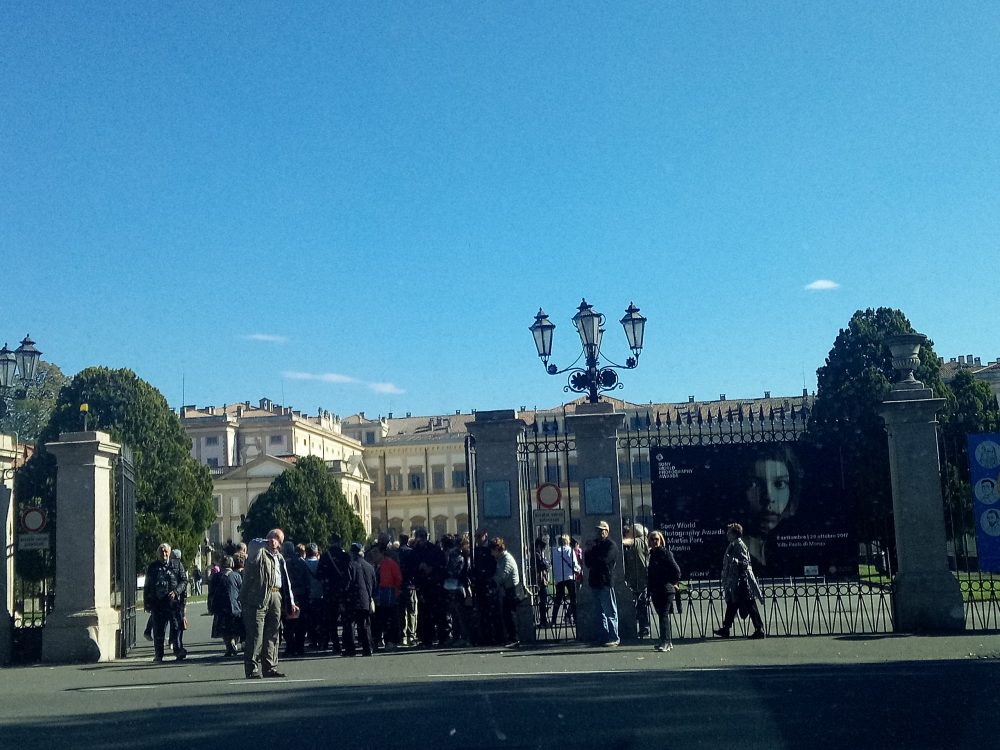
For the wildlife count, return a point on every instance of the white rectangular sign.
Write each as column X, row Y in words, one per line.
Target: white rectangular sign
column 32, row 541
column 545, row 517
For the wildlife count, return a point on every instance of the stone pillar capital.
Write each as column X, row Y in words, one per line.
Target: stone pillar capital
column 80, row 444
column 501, row 426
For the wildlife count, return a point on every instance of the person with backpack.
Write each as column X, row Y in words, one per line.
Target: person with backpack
column 161, row 594
column 333, row 570
column 543, row 569
column 565, row 569
column 456, row 589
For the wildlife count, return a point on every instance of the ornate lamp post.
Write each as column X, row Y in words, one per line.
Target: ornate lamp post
column 594, row 378
column 17, row 368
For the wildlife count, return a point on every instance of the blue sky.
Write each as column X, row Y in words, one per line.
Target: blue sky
column 362, row 206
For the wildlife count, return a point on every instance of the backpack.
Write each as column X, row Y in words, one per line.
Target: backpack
column 455, row 564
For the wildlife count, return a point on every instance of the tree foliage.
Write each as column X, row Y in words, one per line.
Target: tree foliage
column 28, row 412
column 845, row 422
column 972, row 408
column 173, row 491
column 307, row 503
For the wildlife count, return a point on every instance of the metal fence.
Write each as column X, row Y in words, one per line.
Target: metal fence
column 124, row 560
column 980, row 589
column 849, row 604
column 792, row 606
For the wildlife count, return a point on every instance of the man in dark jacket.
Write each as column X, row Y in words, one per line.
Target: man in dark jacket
column 161, row 594
column 484, row 567
column 333, row 571
column 408, row 594
column 299, row 575
column 358, row 603
column 428, row 562
column 601, row 559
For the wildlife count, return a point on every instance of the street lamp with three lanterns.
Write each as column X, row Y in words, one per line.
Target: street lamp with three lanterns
column 18, row 368
column 593, row 379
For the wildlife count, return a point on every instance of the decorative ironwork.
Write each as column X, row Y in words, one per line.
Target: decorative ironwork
column 125, row 582
column 792, row 606
column 17, row 372
column 594, row 378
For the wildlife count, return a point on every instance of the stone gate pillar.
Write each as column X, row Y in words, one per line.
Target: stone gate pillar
column 500, row 508
column 928, row 596
column 8, row 454
column 596, row 429
column 83, row 625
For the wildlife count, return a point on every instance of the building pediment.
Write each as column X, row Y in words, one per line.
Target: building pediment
column 261, row 467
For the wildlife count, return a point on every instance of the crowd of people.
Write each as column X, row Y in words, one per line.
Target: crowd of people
column 412, row 593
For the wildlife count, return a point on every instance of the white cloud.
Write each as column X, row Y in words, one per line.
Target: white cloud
column 822, row 285
column 270, row 338
column 335, row 377
column 390, row 388
column 325, row 377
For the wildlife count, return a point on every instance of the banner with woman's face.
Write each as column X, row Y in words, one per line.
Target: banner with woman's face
column 788, row 498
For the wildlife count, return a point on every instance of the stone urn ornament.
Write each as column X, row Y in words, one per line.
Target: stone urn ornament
column 905, row 350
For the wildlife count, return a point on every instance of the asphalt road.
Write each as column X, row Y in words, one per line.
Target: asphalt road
column 819, row 692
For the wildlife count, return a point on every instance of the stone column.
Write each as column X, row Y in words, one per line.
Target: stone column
column 928, row 596
column 500, row 507
column 8, row 453
column 596, row 429
column 83, row 626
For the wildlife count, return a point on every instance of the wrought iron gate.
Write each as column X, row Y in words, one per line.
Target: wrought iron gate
column 124, row 584
column 850, row 603
column 547, row 459
column 859, row 601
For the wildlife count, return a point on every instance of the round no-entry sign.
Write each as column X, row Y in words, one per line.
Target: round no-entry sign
column 548, row 495
column 33, row 520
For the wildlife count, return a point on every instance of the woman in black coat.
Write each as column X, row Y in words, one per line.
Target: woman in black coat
column 663, row 576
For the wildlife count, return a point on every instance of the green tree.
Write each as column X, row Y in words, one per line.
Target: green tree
column 173, row 491
column 845, row 421
column 972, row 408
column 28, row 412
column 307, row 503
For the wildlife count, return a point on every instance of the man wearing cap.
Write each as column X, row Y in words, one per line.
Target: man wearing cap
column 265, row 594
column 600, row 557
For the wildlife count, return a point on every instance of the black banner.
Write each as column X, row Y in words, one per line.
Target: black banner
column 787, row 496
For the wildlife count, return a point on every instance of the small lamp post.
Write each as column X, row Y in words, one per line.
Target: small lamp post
column 17, row 368
column 594, row 378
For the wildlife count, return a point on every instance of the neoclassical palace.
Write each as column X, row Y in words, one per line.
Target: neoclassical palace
column 402, row 472
column 397, row 472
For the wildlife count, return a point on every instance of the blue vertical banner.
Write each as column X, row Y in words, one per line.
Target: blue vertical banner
column 984, row 467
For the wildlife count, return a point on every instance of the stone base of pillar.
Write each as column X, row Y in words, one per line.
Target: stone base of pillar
column 88, row 636
column 928, row 602
column 587, row 629
column 6, row 637
column 628, row 621
column 524, row 619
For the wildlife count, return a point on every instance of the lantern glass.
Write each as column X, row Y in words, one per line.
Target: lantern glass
column 588, row 324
